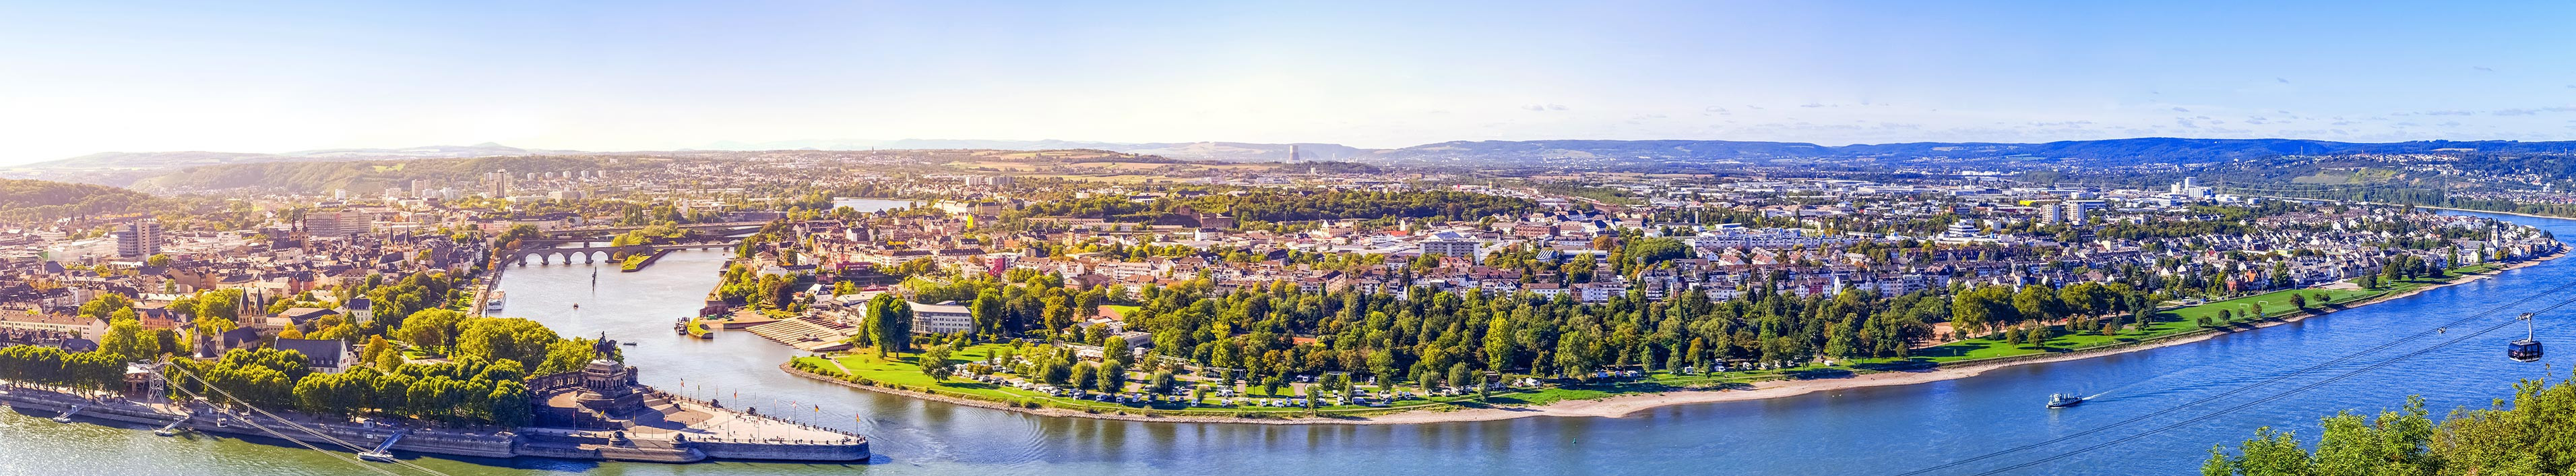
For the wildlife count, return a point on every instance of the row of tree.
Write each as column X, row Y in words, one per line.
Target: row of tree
column 1424, row 333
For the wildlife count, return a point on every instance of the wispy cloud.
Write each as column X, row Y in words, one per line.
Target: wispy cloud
column 2531, row 111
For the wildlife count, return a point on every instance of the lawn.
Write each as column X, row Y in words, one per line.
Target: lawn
column 904, row 371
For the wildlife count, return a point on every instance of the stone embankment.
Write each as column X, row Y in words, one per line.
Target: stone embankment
column 560, row 443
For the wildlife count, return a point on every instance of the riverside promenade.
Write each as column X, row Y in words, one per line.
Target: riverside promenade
column 681, row 431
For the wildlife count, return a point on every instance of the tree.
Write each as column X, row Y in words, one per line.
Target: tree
column 2299, row 301
column 889, row 324
column 517, row 235
column 1648, row 251
column 1458, row 374
column 2038, row 303
column 934, row 362
column 125, row 340
column 1162, row 382
column 157, row 260
column 1086, row 376
column 493, row 338
column 1113, row 377
column 224, row 305
column 1981, row 308
column 374, row 350
column 1056, row 313
column 987, row 313
column 1114, row 349
column 431, row 328
column 1498, row 344
column 104, row 305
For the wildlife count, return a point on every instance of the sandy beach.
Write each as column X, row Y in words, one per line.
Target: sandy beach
column 1623, row 405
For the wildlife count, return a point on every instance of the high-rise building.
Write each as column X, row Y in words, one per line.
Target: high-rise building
column 499, row 181
column 141, row 238
column 2077, row 211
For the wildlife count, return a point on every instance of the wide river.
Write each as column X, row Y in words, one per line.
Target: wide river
column 1862, row 431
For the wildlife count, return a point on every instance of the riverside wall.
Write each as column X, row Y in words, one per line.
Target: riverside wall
column 534, row 442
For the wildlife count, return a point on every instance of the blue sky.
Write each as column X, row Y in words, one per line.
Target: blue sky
column 83, row 77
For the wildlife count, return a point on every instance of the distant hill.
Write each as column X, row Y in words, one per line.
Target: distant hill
column 153, row 160
column 169, row 160
column 39, row 200
column 1216, row 151
column 367, row 177
column 2114, row 152
column 151, row 170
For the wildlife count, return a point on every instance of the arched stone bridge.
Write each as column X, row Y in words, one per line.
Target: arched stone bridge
column 590, row 254
column 612, row 230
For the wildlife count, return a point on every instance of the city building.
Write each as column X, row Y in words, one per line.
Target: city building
column 1451, row 244
column 141, row 238
column 941, row 319
column 499, row 181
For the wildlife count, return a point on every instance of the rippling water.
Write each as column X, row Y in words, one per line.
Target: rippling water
column 1860, row 431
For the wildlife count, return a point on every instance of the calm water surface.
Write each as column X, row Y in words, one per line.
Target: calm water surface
column 1862, row 431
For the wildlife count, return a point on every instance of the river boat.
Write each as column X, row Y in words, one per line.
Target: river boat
column 2060, row 400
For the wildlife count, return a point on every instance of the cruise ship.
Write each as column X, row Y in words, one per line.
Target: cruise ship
column 494, row 304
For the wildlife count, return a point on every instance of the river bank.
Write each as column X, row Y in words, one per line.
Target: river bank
column 1626, row 404
column 647, row 445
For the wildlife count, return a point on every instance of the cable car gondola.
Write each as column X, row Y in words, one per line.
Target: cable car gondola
column 2527, row 349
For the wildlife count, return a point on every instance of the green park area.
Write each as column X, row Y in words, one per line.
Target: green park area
column 1208, row 397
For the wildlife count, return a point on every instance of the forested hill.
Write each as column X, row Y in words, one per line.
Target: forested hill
column 370, row 176
column 2114, row 152
column 38, row 200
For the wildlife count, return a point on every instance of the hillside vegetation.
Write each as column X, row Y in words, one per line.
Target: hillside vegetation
column 39, row 200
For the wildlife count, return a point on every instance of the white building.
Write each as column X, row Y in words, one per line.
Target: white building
column 941, row 319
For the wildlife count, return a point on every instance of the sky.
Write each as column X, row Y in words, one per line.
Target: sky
column 85, row 77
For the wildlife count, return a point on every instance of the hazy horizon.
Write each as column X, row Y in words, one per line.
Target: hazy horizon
column 85, row 78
